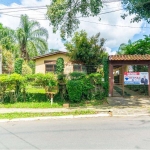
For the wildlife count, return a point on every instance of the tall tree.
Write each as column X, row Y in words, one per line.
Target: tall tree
column 65, row 14
column 31, row 37
column 141, row 9
column 86, row 50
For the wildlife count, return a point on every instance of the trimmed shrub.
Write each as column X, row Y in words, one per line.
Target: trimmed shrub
column 77, row 75
column 60, row 65
column 18, row 65
column 45, row 80
column 74, row 88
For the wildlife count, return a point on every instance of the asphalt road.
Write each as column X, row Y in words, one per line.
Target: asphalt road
column 84, row 133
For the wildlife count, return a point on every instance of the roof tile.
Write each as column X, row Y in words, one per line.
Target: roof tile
column 129, row 57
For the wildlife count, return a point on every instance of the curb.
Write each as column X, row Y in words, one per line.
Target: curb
column 70, row 117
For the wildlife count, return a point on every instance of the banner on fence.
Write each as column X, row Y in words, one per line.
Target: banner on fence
column 136, row 78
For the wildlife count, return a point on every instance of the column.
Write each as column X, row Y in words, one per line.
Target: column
column 111, row 80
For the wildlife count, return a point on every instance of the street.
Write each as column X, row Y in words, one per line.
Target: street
column 82, row 133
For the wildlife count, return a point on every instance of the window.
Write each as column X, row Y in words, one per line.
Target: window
column 79, row 68
column 50, row 67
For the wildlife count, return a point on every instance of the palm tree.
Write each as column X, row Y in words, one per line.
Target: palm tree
column 7, row 38
column 32, row 38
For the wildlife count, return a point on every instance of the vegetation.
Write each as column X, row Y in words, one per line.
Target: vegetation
column 138, row 7
column 13, row 87
column 89, row 51
column 141, row 46
column 59, row 65
column 8, row 39
column 62, row 14
column 31, row 38
column 7, row 61
column 26, row 69
column 18, row 65
column 33, row 104
column 74, row 88
column 19, row 87
column 28, row 115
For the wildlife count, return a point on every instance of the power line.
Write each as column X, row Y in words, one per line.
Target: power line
column 21, row 10
column 46, row 19
column 91, row 22
column 24, row 7
column 112, row 24
column 19, row 17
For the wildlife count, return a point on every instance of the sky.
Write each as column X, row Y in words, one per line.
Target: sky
column 111, row 27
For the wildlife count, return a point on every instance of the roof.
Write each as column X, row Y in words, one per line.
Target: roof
column 49, row 54
column 129, row 57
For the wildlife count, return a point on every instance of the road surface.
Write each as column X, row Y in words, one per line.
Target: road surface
column 84, row 133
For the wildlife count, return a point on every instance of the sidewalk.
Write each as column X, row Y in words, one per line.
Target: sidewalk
column 118, row 106
column 112, row 111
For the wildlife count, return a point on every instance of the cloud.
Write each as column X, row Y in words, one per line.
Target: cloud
column 114, row 35
column 109, row 51
column 111, row 26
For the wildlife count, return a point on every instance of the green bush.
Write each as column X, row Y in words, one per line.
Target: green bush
column 45, row 80
column 18, row 65
column 12, row 87
column 77, row 75
column 60, row 65
column 106, row 76
column 74, row 88
column 26, row 69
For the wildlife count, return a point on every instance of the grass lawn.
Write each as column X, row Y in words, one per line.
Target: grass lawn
column 48, row 105
column 31, row 105
column 29, row 115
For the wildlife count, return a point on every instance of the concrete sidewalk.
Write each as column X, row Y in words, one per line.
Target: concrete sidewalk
column 117, row 106
column 112, row 111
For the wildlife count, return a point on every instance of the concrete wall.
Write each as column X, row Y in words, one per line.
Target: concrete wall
column 40, row 66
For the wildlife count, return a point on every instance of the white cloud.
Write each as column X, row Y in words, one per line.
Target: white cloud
column 114, row 35
column 109, row 51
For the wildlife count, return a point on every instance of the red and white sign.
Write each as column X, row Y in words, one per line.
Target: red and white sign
column 136, row 78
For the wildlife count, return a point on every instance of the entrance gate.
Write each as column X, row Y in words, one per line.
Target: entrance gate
column 118, row 65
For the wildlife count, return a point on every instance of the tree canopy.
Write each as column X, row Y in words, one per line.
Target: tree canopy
column 141, row 9
column 141, row 46
column 65, row 14
column 86, row 50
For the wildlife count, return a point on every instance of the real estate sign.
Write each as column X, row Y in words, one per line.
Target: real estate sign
column 136, row 78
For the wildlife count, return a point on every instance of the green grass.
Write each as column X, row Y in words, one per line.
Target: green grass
column 31, row 105
column 29, row 115
column 31, row 89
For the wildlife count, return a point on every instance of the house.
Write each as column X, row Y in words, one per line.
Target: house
column 47, row 63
